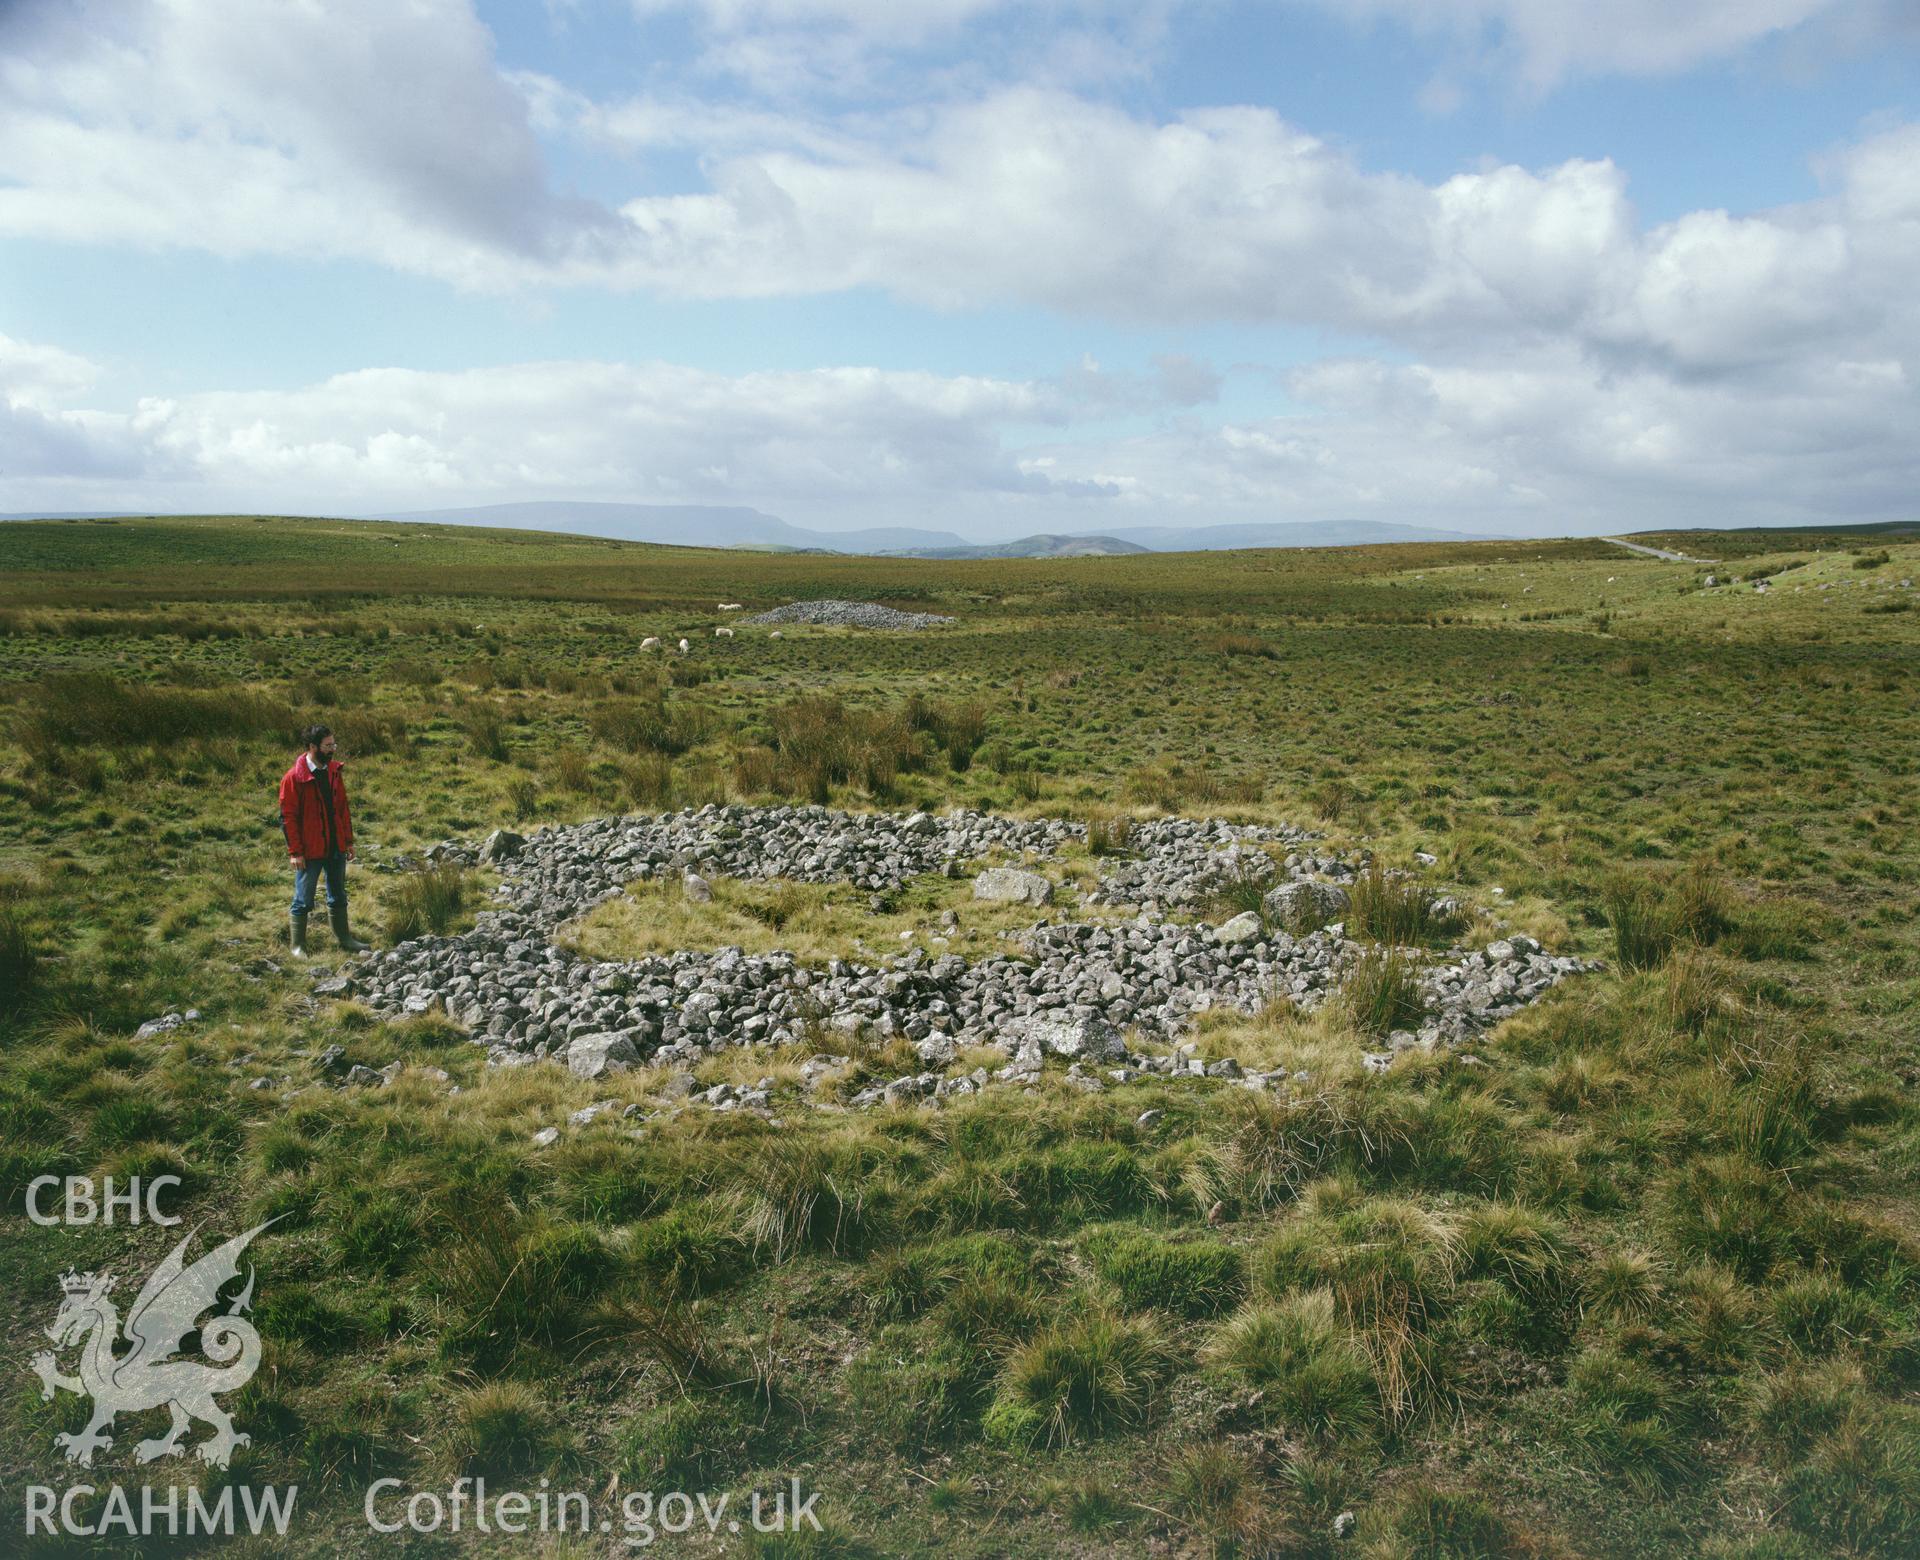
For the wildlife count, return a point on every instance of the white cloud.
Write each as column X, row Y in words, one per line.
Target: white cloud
column 355, row 129
column 40, row 377
column 1554, row 441
column 1554, row 445
column 651, row 432
column 386, row 133
column 1565, row 359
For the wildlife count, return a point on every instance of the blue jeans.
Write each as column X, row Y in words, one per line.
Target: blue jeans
column 307, row 879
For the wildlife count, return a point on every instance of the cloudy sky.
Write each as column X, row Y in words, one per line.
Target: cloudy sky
column 998, row 266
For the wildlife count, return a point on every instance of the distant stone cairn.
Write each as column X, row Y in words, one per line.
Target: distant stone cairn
column 849, row 614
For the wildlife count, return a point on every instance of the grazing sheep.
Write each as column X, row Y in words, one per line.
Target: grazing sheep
column 723, row 633
column 651, row 642
column 684, row 647
column 729, row 606
column 774, row 635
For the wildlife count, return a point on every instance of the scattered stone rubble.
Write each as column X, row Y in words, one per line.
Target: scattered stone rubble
column 1070, row 990
column 166, row 1023
column 849, row 614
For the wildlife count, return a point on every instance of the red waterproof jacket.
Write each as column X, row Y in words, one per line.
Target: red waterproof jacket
column 313, row 809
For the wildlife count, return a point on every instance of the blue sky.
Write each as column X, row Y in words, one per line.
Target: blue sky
column 996, row 266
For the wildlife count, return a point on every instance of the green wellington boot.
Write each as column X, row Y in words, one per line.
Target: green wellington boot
column 337, row 914
column 298, row 921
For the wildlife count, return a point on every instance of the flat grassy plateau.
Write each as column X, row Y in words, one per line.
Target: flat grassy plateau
column 1640, row 1278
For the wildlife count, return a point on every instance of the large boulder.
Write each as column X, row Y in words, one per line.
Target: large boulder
column 1305, row 904
column 502, row 845
column 597, row 1055
column 1086, row 1038
column 1012, row 885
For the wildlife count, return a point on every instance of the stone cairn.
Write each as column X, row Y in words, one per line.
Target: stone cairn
column 1071, row 989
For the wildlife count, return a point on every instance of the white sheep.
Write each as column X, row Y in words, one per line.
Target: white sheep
column 729, row 606
column 651, row 642
column 723, row 633
column 774, row 635
column 684, row 647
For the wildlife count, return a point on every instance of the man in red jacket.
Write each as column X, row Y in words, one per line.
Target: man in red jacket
column 313, row 809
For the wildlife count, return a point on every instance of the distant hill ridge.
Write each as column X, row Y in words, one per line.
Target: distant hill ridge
column 683, row 525
column 701, row 525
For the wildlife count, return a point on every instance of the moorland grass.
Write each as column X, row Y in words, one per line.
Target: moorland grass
column 1644, row 1265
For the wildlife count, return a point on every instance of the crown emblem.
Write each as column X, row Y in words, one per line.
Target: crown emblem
column 84, row 1283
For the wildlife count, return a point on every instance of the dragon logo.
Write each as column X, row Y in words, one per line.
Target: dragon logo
column 167, row 1310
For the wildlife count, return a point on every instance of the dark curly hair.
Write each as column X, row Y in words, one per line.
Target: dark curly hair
column 315, row 734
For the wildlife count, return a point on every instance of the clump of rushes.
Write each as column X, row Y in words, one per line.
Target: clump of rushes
column 1637, row 914
column 1381, row 992
column 1392, row 907
column 1108, row 834
column 19, row 958
column 1649, row 917
column 1241, row 890
column 487, row 733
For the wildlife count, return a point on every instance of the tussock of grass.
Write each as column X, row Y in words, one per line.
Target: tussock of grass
column 648, row 725
column 73, row 708
column 1389, row 1266
column 1244, row 644
column 811, row 1192
column 506, row 1281
column 687, row 1251
column 1214, row 1489
column 1643, row 929
column 1424, row 1519
column 822, row 742
column 1108, row 834
column 1627, row 1420
column 696, row 1440
column 1087, row 1374
column 1652, row 915
column 1316, row 1378
column 1333, row 799
column 957, row 730
column 915, row 1394
column 1241, row 891
column 486, row 734
column 1189, row 1278
column 1622, row 1285
column 19, row 958
column 428, row 899
column 500, row 1429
